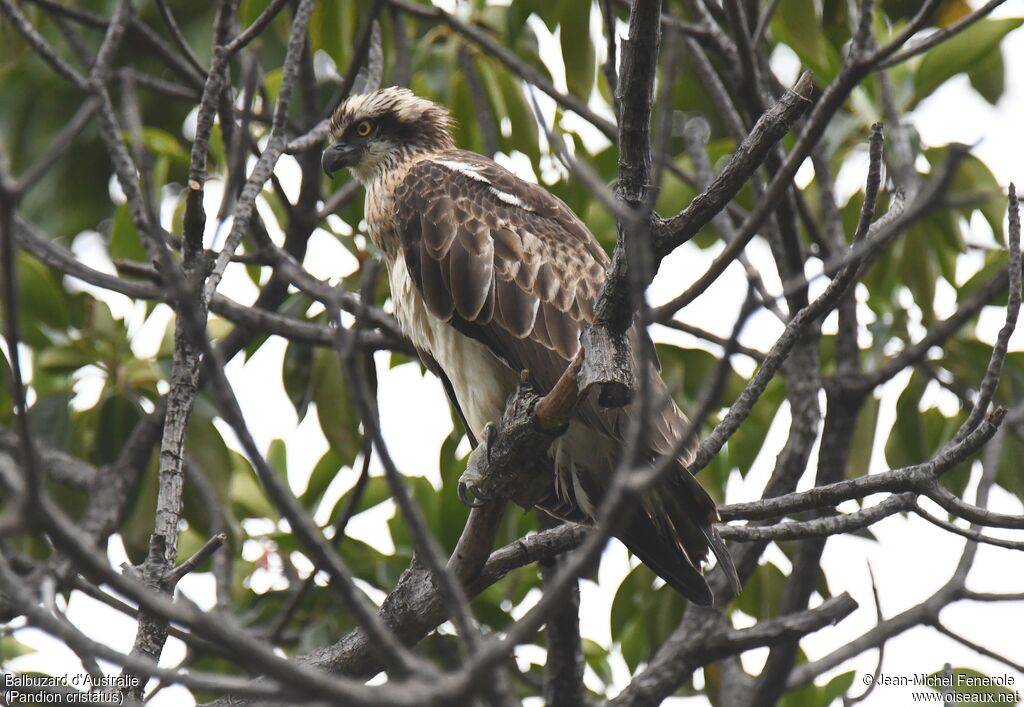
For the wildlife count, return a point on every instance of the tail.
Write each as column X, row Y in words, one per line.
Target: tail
column 673, row 532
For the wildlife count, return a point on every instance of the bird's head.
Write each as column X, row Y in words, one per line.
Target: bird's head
column 376, row 131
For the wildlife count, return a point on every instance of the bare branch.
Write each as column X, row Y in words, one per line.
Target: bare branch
column 201, row 555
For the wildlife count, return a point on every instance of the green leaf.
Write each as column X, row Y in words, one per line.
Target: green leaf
column 819, row 695
column 453, row 512
column 323, row 474
column 988, row 75
column 548, row 11
column 218, row 156
column 525, row 132
column 11, row 648
column 335, row 407
column 633, row 642
column 917, row 434
column 640, row 633
column 277, row 457
column 792, row 24
column 50, row 420
column 247, row 497
column 634, row 591
column 838, row 686
column 467, row 123
column 979, row 188
column 117, row 418
column 906, row 444
column 597, row 658
column 138, row 525
column 960, row 53
column 66, row 359
column 918, row 269
column 577, row 48
column 125, row 242
column 863, row 438
column 995, row 265
column 425, row 497
column 1008, row 476
column 160, row 142
column 189, row 542
column 12, row 46
column 745, row 445
column 761, row 597
column 207, row 450
column 43, row 302
column 674, row 196
column 6, row 404
column 375, row 493
column 331, row 28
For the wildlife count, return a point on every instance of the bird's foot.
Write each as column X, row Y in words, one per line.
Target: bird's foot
column 472, row 478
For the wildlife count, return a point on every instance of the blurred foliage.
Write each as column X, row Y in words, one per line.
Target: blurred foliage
column 92, row 379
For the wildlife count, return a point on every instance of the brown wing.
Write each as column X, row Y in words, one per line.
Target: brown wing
column 510, row 265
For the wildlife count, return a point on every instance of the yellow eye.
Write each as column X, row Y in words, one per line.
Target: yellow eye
column 364, row 128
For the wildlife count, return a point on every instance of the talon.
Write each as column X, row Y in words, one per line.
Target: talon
column 474, row 501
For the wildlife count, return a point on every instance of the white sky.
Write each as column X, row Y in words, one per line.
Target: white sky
column 910, row 561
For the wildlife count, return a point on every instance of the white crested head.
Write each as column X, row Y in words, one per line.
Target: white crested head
column 375, row 131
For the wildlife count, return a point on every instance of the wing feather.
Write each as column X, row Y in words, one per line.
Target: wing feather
column 438, row 227
column 507, row 263
column 470, row 271
column 432, row 279
column 520, row 271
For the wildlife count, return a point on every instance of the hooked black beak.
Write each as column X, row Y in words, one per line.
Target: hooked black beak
column 337, row 156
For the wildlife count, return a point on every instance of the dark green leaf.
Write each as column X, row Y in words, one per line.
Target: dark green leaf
column 335, row 407
column 117, row 418
column 42, row 300
column 125, row 242
column 577, row 49
column 6, row 404
column 863, row 439
column 375, row 493
column 247, row 496
column 50, row 420
column 907, row 440
column 65, row 360
column 525, row 133
column 960, row 53
column 323, row 474
column 161, row 142
column 791, row 24
column 988, row 75
column 761, row 597
column 597, row 658
column 206, row 449
column 138, row 525
column 633, row 592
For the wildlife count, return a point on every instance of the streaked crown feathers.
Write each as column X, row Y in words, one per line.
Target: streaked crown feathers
column 432, row 121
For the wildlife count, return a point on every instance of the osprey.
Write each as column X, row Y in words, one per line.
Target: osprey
column 491, row 275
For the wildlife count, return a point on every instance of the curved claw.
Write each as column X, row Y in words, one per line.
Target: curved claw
column 474, row 501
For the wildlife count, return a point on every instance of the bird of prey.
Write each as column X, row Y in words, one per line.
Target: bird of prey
column 491, row 275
